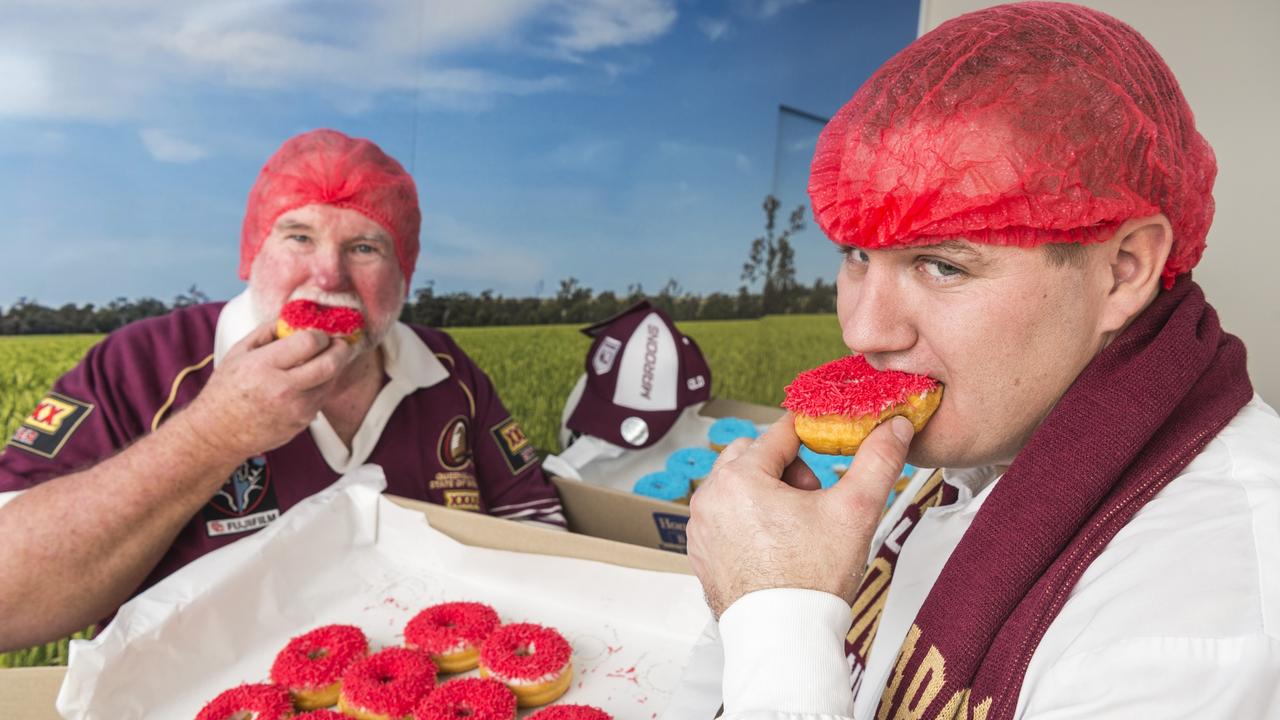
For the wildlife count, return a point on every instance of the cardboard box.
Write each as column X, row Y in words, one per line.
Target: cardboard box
column 30, row 693
column 605, row 512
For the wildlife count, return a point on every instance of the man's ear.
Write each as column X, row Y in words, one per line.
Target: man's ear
column 1135, row 256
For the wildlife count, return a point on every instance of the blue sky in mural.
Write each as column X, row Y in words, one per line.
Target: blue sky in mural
column 615, row 141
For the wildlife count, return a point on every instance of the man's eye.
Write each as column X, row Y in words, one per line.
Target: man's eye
column 299, row 238
column 855, row 255
column 940, row 269
column 364, row 249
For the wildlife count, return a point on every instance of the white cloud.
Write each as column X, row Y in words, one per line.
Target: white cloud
column 765, row 9
column 769, row 8
column 167, row 147
column 128, row 59
column 594, row 24
column 714, row 28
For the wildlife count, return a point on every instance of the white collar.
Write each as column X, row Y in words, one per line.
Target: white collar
column 407, row 360
column 971, row 482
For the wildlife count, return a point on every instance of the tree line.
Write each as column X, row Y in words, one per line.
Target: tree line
column 769, row 288
column 574, row 303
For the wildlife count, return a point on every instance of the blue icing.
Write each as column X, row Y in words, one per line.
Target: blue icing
column 726, row 430
column 663, row 485
column 692, row 463
column 827, row 476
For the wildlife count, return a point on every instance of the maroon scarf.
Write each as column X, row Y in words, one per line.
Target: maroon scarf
column 1133, row 419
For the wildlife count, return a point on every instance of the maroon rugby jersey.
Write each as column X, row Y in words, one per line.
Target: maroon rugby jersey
column 452, row 443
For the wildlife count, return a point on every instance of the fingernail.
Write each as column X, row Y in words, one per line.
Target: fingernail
column 903, row 428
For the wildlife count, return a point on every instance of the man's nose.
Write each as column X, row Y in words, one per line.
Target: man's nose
column 328, row 270
column 876, row 318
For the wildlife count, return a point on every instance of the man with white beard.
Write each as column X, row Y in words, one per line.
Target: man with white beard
column 177, row 435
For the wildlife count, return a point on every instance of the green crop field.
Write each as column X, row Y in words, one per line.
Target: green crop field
column 533, row 367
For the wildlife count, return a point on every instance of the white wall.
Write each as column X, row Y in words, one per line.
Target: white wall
column 1226, row 56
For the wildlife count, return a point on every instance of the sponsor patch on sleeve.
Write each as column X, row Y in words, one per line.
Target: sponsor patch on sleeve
column 515, row 445
column 50, row 425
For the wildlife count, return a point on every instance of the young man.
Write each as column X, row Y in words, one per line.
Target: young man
column 1020, row 195
column 178, row 435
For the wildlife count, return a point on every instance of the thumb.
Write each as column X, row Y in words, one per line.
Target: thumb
column 259, row 336
column 877, row 465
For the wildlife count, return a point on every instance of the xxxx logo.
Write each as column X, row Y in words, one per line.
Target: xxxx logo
column 49, row 415
column 50, row 425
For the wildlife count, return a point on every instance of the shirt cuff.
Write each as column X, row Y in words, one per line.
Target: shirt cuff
column 784, row 653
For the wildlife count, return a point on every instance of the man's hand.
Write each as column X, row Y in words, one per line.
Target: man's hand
column 757, row 521
column 266, row 391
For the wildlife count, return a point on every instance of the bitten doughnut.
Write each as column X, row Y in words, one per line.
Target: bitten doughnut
column 386, row 685
column 471, row 698
column 838, row 404
column 532, row 660
column 343, row 322
column 311, row 664
column 257, row 700
column 726, row 430
column 571, row 712
column 452, row 633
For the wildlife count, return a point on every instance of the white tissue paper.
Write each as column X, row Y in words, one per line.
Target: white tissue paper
column 348, row 555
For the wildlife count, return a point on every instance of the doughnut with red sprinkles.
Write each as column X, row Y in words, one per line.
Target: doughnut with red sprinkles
column 839, row 403
column 452, row 633
column 532, row 660
column 343, row 322
column 571, row 712
column 474, row 698
column 387, row 684
column 256, row 700
column 311, row 664
column 321, row 715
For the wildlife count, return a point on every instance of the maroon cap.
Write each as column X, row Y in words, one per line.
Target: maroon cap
column 641, row 372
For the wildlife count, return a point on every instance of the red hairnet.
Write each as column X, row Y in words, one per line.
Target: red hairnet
column 1021, row 124
column 329, row 168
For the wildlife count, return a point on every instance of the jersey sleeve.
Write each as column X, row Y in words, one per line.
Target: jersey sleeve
column 508, row 467
column 83, row 419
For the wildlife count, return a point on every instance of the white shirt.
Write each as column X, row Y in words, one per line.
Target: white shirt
column 1178, row 617
column 408, row 362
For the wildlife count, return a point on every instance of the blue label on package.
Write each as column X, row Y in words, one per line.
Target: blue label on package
column 671, row 531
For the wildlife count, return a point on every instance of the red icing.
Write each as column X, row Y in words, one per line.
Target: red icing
column 270, row 702
column 307, row 314
column 571, row 712
column 321, row 715
column 440, row 628
column 389, row 682
column 475, row 698
column 851, row 387
column 547, row 652
column 297, row 669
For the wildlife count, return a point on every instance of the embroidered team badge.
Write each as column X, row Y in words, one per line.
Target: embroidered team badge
column 462, row 500
column 454, row 448
column 246, row 502
column 516, row 448
column 50, row 425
